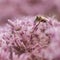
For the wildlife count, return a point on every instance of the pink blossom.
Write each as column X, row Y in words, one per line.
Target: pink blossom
column 30, row 39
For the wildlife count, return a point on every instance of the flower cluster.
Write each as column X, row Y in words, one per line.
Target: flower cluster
column 30, row 38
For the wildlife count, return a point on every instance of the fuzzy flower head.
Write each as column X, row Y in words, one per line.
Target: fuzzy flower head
column 31, row 38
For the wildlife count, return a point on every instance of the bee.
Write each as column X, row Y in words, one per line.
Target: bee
column 40, row 19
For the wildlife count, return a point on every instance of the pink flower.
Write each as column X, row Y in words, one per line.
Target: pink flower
column 30, row 38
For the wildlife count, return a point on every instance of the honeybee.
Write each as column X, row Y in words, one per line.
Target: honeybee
column 40, row 19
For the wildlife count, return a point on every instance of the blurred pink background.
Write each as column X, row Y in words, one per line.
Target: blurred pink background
column 10, row 9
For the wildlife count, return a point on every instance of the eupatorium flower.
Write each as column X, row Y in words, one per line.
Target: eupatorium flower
column 30, row 38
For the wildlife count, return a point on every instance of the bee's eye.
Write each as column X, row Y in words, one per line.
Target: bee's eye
column 38, row 18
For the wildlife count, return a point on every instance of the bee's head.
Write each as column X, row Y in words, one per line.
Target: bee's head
column 40, row 19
